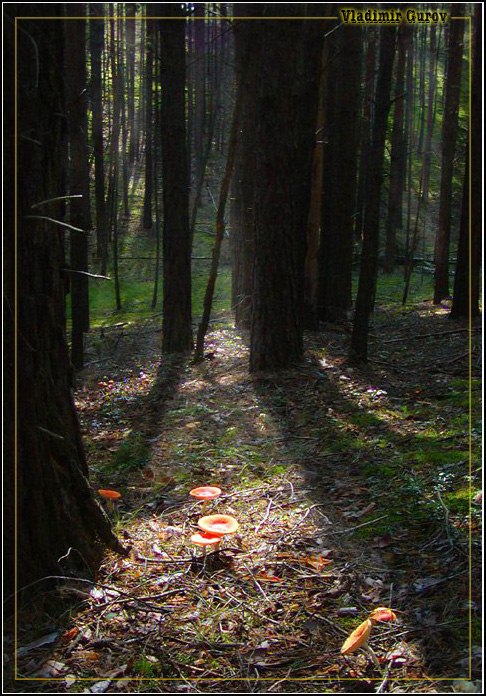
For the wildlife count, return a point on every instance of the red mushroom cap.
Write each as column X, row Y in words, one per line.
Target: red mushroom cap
column 383, row 614
column 205, row 539
column 205, row 492
column 110, row 495
column 357, row 638
column 218, row 524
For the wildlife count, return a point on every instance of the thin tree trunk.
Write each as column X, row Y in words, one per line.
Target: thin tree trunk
column 369, row 255
column 96, row 41
column 220, row 228
column 149, row 177
column 397, row 157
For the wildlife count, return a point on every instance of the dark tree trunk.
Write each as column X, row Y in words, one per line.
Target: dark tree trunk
column 177, row 323
column 77, row 114
column 59, row 527
column 366, row 129
column 311, row 272
column 286, row 105
column 449, row 138
column 96, row 42
column 339, row 184
column 242, row 231
column 369, row 254
column 397, row 157
column 468, row 269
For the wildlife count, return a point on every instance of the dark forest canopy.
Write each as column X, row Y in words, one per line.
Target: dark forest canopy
column 275, row 164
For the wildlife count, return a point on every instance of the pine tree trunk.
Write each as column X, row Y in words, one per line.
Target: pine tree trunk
column 177, row 322
column 449, row 138
column 77, row 113
column 58, row 525
column 286, row 105
column 467, row 285
column 339, row 186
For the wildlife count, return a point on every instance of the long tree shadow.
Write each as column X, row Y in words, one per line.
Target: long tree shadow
column 354, row 456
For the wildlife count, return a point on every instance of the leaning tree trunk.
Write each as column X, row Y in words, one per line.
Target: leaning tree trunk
column 365, row 298
column 177, row 322
column 58, row 525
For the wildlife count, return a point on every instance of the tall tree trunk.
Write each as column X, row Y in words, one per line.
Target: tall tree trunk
column 96, row 42
column 286, row 105
column 339, row 184
column 177, row 322
column 431, row 110
column 366, row 130
column 397, row 157
column 242, row 229
column 449, row 138
column 220, row 228
column 468, row 269
column 369, row 254
column 77, row 113
column 131, row 24
column 149, row 178
column 59, row 526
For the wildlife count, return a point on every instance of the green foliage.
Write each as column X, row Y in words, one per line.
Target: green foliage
column 133, row 453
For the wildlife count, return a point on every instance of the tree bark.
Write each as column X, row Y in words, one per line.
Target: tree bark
column 339, row 182
column 449, row 138
column 79, row 208
column 286, row 104
column 58, row 525
column 177, row 322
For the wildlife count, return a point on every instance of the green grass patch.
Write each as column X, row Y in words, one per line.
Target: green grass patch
column 133, row 453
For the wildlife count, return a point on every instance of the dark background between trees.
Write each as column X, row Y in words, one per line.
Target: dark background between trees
column 346, row 137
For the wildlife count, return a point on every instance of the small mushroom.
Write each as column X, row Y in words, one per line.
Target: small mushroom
column 206, row 539
column 382, row 614
column 110, row 497
column 205, row 494
column 358, row 638
column 218, row 524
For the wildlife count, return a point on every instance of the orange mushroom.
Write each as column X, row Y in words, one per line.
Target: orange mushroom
column 382, row 614
column 205, row 492
column 109, row 494
column 358, row 638
column 205, row 539
column 110, row 497
column 218, row 524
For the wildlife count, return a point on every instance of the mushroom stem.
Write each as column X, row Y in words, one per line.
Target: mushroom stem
column 371, row 653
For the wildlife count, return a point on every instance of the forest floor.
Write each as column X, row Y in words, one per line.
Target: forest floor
column 354, row 487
